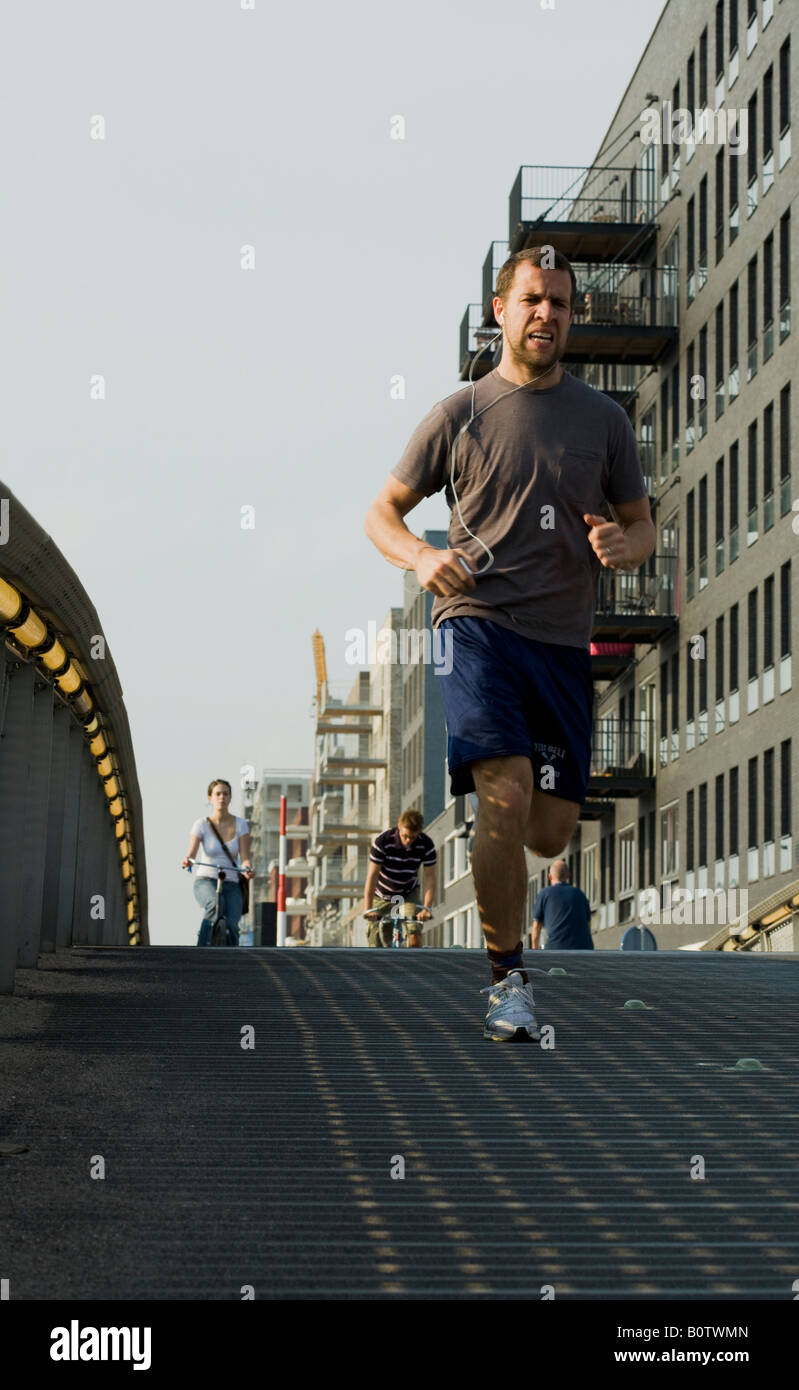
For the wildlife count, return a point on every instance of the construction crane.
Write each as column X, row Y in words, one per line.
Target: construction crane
column 321, row 667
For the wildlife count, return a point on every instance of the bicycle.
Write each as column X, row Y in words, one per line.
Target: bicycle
column 400, row 916
column 222, row 934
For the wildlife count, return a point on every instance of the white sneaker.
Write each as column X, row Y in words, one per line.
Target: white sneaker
column 511, row 1016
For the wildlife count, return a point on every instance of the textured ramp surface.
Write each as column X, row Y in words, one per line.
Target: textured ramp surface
column 524, row 1166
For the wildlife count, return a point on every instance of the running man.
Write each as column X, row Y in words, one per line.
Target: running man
column 542, row 456
column 394, row 873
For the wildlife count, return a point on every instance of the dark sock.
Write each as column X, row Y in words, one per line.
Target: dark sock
column 504, row 962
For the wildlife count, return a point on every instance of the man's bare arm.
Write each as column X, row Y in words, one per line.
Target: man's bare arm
column 372, row 875
column 437, row 570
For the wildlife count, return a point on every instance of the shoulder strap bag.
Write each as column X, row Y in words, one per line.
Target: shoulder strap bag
column 244, row 883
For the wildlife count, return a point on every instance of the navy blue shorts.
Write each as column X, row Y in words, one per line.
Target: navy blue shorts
column 509, row 695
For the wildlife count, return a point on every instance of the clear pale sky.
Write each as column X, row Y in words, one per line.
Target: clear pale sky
column 269, row 387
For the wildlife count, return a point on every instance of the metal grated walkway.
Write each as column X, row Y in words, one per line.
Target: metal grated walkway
column 524, row 1167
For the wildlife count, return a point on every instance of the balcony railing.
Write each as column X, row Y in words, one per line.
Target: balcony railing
column 572, row 193
column 643, row 298
column 647, row 592
column 623, row 748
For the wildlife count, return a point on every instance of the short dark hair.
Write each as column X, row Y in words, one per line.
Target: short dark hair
column 534, row 255
column 217, row 782
column 412, row 820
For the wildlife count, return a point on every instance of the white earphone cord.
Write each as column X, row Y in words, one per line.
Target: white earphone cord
column 463, row 430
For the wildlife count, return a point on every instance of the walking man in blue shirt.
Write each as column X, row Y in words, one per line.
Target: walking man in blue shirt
column 565, row 912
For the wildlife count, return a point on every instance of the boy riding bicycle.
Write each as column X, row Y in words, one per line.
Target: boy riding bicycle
column 393, row 874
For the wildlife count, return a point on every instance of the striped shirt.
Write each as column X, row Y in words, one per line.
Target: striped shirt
column 398, row 865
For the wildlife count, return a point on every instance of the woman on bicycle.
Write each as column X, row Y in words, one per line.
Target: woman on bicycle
column 205, row 835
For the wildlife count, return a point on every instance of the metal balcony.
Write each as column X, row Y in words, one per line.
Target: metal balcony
column 622, row 758
column 637, row 606
column 632, row 322
column 589, row 214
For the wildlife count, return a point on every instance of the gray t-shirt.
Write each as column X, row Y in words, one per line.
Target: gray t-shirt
column 525, row 472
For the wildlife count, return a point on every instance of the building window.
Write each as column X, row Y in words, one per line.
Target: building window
column 751, row 26
column 690, row 512
column 675, row 417
column 768, row 467
column 690, row 835
column 719, row 817
column 733, row 71
column 768, row 297
column 751, row 491
column 719, row 359
column 720, row 515
column 753, row 670
column 785, row 449
column 768, row 813
column 753, row 842
column 768, row 636
column 690, row 685
column 590, row 884
column 703, row 579
column 703, row 687
column 733, row 502
column 752, row 326
column 733, row 183
column 719, row 205
column 768, row 125
column 703, row 68
column 702, row 826
column 627, row 860
column 733, row 649
column 733, row 378
column 702, row 428
column 785, row 275
column 751, row 156
column 675, row 705
column 719, row 666
column 701, row 269
column 785, row 627
column 669, row 841
column 785, row 102
column 689, row 399
column 786, row 833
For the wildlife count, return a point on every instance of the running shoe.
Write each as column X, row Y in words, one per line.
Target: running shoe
column 511, row 1016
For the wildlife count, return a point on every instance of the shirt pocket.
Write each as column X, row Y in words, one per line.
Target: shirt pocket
column 580, row 478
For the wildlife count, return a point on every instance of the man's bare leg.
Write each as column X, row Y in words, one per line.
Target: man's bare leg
column 511, row 816
column 504, row 788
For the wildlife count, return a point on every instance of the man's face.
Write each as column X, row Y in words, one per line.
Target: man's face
column 406, row 836
column 536, row 315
